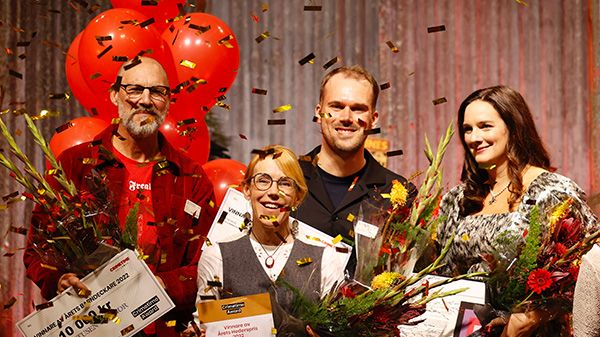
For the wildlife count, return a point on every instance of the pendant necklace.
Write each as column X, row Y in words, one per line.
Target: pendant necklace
column 269, row 260
column 496, row 195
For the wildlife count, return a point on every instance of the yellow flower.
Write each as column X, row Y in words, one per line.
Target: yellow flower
column 398, row 194
column 386, row 279
column 560, row 211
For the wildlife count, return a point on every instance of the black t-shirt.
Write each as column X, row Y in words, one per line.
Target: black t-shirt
column 337, row 187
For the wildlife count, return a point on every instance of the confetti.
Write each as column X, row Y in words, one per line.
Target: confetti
column 63, row 95
column 435, row 29
column 15, row 74
column 265, row 7
column 254, row 17
column 276, row 122
column 394, row 153
column 64, row 127
column 10, row 303
column 262, row 153
column 392, row 47
column 465, row 237
column 312, row 8
column 259, row 91
column 215, row 283
column 106, row 50
column 10, row 196
column 23, row 43
column 225, row 41
column 331, row 62
column 44, row 306
column 338, row 238
column 384, row 86
column 373, row 131
column 310, row 58
column 342, row 250
column 186, row 122
column 171, row 324
column 187, row 64
column 117, row 58
column 147, row 23
column 222, row 218
column 132, row 64
column 262, row 37
column 206, row 297
column 353, row 184
column 521, row 2
column 283, row 108
column 350, row 217
column 128, row 330
column 304, row 261
column 101, row 39
column 200, row 29
column 440, row 100
column 84, row 293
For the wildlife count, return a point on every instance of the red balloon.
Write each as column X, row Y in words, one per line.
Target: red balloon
column 161, row 12
column 206, row 62
column 193, row 139
column 113, row 37
column 100, row 103
column 224, row 173
column 83, row 129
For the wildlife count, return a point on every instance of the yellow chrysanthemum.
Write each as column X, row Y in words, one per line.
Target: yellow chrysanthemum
column 386, row 279
column 398, row 194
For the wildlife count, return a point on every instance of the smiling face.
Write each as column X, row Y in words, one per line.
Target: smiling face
column 346, row 110
column 272, row 203
column 142, row 116
column 485, row 134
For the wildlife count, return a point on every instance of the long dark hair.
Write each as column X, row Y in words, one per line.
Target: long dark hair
column 524, row 147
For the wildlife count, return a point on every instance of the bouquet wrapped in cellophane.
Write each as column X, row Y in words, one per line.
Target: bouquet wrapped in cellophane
column 538, row 269
column 384, row 292
column 80, row 229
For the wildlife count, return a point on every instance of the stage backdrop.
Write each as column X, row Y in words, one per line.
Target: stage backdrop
column 548, row 50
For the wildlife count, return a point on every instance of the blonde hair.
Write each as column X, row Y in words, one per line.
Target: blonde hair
column 286, row 160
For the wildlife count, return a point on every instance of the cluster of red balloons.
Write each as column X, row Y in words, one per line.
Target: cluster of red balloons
column 198, row 51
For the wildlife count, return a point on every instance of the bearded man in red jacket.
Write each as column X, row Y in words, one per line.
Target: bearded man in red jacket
column 141, row 167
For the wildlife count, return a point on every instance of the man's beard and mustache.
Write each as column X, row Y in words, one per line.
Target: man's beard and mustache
column 144, row 128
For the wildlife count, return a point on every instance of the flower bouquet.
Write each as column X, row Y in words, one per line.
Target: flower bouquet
column 385, row 293
column 544, row 269
column 74, row 231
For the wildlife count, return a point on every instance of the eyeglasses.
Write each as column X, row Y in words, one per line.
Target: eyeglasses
column 157, row 92
column 263, row 181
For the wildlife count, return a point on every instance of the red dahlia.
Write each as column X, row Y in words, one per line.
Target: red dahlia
column 539, row 280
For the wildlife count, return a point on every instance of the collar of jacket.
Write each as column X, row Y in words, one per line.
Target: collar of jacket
column 374, row 176
column 174, row 163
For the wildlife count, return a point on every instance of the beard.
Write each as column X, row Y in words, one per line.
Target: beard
column 147, row 127
column 344, row 147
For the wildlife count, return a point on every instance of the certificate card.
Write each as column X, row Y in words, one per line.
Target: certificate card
column 244, row 316
column 229, row 224
column 449, row 316
column 125, row 284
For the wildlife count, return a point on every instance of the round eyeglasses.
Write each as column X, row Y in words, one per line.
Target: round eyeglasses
column 157, row 93
column 263, row 181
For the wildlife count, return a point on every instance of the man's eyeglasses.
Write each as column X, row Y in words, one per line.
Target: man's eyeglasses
column 157, row 92
column 263, row 181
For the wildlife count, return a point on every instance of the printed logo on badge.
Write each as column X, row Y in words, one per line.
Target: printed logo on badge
column 192, row 209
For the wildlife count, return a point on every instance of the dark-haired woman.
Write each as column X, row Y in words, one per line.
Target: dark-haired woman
column 505, row 173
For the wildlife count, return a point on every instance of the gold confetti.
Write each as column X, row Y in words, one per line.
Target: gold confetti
column 385, row 195
column 435, row 29
column 225, row 41
column 331, row 62
column 310, row 58
column 338, row 238
column 171, row 324
column 127, row 330
column 163, row 257
column 465, row 237
column 187, row 64
column 350, row 217
column 304, row 261
column 47, row 266
column 521, row 2
column 352, row 185
column 439, row 100
column 84, row 292
column 265, row 7
column 392, row 47
column 273, row 331
column 262, row 37
column 283, row 108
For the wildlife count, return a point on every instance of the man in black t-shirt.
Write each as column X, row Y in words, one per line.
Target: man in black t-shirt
column 344, row 181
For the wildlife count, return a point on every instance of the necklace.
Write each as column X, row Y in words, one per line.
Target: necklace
column 269, row 260
column 496, row 195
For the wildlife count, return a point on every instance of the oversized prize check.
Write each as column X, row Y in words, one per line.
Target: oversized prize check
column 124, row 283
column 230, row 218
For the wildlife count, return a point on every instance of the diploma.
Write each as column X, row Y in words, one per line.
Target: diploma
column 244, row 316
column 123, row 291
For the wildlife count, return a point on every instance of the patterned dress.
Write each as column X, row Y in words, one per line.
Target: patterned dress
column 477, row 235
